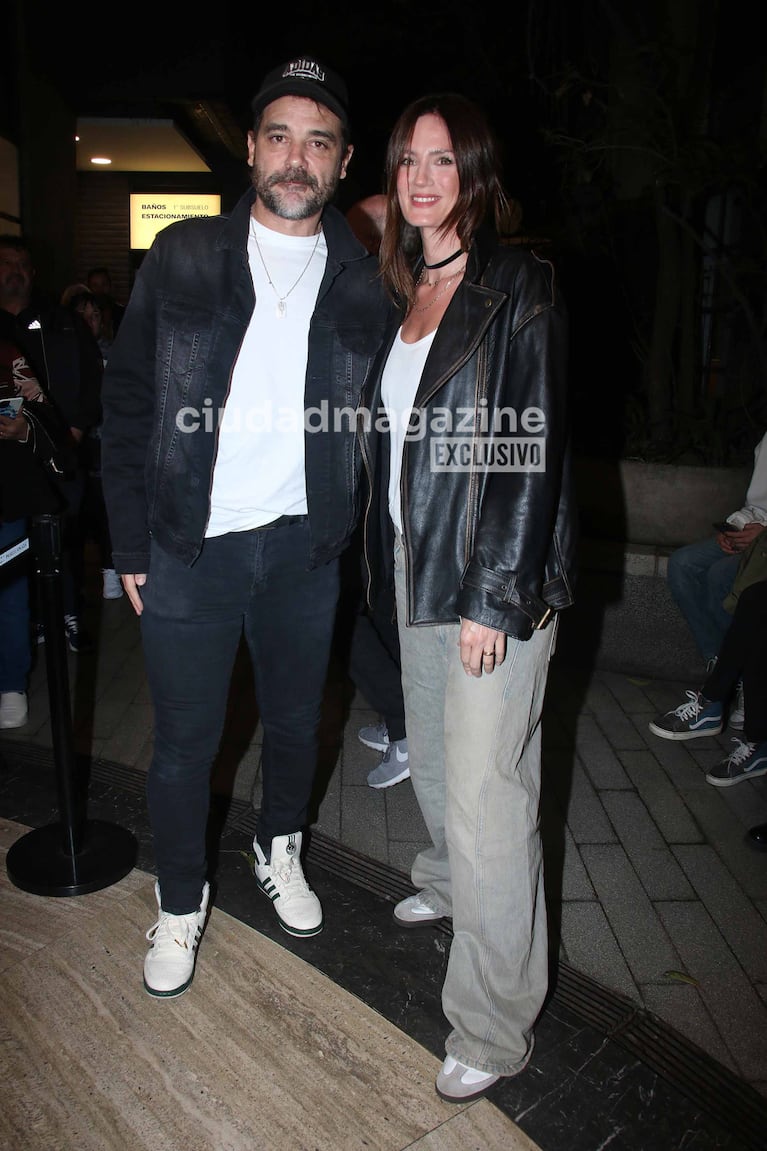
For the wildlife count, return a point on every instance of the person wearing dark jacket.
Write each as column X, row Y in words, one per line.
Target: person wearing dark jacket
column 228, row 465
column 463, row 430
column 35, row 449
column 64, row 356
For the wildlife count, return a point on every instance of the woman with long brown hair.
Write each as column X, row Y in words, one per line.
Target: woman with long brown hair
column 471, row 516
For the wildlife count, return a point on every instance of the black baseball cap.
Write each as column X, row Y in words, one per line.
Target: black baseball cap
column 304, row 76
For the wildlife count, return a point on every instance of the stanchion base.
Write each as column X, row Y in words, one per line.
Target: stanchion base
column 38, row 863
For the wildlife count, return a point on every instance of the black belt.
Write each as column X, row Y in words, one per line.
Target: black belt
column 282, row 522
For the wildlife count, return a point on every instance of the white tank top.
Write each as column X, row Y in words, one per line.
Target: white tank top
column 399, row 384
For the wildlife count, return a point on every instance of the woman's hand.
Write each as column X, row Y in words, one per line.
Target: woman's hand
column 482, row 648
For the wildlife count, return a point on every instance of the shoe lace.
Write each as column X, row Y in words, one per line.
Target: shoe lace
column 742, row 752
column 71, row 624
column 172, row 931
column 691, row 709
column 291, row 875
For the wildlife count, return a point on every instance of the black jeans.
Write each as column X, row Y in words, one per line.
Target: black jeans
column 743, row 655
column 193, row 619
column 374, row 664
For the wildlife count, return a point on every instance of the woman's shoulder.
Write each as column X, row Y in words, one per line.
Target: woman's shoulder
column 521, row 268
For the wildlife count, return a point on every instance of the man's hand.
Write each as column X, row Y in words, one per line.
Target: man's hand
column 482, row 648
column 734, row 542
column 31, row 390
column 132, row 583
column 25, row 380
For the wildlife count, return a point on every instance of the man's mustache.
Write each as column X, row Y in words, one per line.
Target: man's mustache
column 294, row 176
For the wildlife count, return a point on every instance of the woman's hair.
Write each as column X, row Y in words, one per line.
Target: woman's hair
column 481, row 192
column 76, row 296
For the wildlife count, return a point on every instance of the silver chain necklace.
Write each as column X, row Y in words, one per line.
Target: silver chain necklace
column 439, row 295
column 282, row 307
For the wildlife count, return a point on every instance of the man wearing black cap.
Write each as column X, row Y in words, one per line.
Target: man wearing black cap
column 229, row 476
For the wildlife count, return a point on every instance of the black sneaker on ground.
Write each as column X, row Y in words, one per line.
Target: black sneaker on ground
column 698, row 716
column 77, row 637
column 747, row 761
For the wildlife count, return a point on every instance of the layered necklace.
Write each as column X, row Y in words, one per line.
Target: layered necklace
column 432, row 284
column 282, row 306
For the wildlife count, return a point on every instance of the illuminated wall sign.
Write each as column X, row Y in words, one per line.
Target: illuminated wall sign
column 150, row 213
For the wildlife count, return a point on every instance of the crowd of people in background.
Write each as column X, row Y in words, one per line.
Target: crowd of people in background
column 53, row 354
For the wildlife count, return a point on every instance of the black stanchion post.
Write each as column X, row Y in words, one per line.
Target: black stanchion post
column 46, row 549
column 75, row 855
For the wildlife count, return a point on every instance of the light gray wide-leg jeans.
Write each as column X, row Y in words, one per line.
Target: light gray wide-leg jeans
column 475, row 763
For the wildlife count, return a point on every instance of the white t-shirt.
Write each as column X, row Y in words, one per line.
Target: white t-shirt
column 259, row 473
column 399, row 384
column 755, row 507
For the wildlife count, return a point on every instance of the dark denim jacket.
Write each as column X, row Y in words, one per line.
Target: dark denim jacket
column 173, row 357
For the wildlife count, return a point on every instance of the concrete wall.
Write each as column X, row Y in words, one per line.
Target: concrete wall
column 633, row 515
column 661, row 505
column 625, row 619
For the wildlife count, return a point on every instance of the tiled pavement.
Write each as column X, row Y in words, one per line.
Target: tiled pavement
column 652, row 890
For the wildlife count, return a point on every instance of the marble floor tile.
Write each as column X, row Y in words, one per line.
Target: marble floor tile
column 263, row 1052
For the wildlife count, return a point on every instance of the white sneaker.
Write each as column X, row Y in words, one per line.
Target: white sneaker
column 416, row 911
column 169, row 963
column 113, row 587
column 459, row 1083
column 737, row 717
column 14, row 711
column 282, row 880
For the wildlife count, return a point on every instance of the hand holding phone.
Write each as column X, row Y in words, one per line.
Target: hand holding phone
column 723, row 526
column 10, row 406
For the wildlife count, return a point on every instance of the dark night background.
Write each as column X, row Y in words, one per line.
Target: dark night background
column 626, row 129
column 511, row 60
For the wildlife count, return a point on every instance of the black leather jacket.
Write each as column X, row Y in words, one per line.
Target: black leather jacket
column 493, row 544
column 173, row 357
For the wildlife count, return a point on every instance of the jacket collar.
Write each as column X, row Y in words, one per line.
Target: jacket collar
column 472, row 309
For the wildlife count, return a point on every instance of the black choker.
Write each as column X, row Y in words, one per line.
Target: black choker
column 444, row 263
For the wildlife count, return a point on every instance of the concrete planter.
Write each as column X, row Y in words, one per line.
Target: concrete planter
column 661, row 505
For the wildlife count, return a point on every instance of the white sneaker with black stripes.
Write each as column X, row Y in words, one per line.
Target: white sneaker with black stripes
column 281, row 878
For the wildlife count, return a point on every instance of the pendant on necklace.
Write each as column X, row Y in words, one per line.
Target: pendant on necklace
column 282, row 309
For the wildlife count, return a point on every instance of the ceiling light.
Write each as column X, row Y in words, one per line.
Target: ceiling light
column 100, row 160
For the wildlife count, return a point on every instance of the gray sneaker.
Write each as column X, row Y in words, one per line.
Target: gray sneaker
column 376, row 736
column 394, row 766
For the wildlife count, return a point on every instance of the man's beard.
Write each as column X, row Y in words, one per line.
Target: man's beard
column 269, row 192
